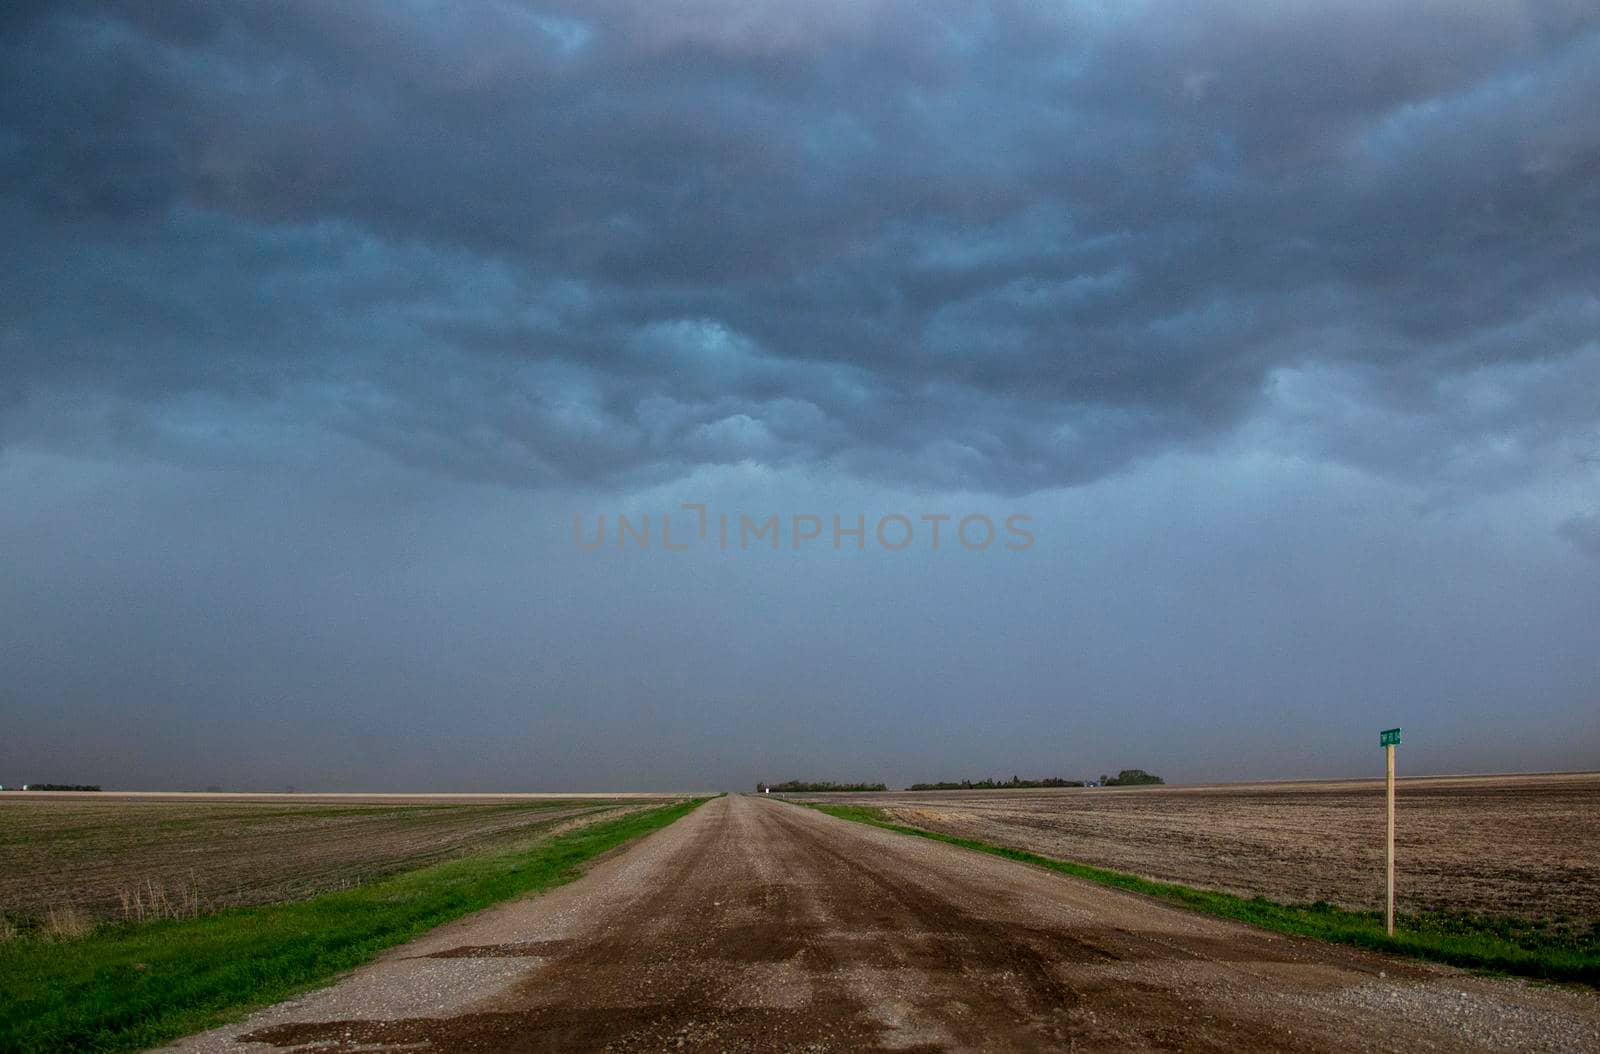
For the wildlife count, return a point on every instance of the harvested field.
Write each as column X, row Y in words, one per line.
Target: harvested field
column 1525, row 846
column 113, row 856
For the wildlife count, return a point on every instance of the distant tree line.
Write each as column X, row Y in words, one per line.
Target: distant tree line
column 1130, row 778
column 1125, row 778
column 995, row 784
column 804, row 787
column 57, row 787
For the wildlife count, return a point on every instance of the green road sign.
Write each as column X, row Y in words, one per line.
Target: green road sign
column 1389, row 737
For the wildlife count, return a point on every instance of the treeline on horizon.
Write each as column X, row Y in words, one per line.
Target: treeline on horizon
column 994, row 784
column 1125, row 778
column 55, row 787
column 1130, row 778
column 805, row 787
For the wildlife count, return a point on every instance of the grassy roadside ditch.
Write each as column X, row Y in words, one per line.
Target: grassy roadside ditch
column 135, row 985
column 1548, row 951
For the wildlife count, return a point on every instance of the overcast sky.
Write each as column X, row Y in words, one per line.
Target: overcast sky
column 321, row 323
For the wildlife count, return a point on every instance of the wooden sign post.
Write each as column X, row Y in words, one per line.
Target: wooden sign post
column 1389, row 738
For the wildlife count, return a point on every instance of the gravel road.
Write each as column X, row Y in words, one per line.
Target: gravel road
column 757, row 925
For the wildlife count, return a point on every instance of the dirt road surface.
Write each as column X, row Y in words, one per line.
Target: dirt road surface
column 756, row 925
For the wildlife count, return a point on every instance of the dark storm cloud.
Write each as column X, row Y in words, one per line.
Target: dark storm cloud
column 1001, row 249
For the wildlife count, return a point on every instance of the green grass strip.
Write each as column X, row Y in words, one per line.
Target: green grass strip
column 1558, row 950
column 130, row 986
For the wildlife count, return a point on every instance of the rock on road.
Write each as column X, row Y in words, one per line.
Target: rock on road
column 758, row 925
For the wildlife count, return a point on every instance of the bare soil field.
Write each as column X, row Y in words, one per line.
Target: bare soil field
column 1523, row 845
column 116, row 856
